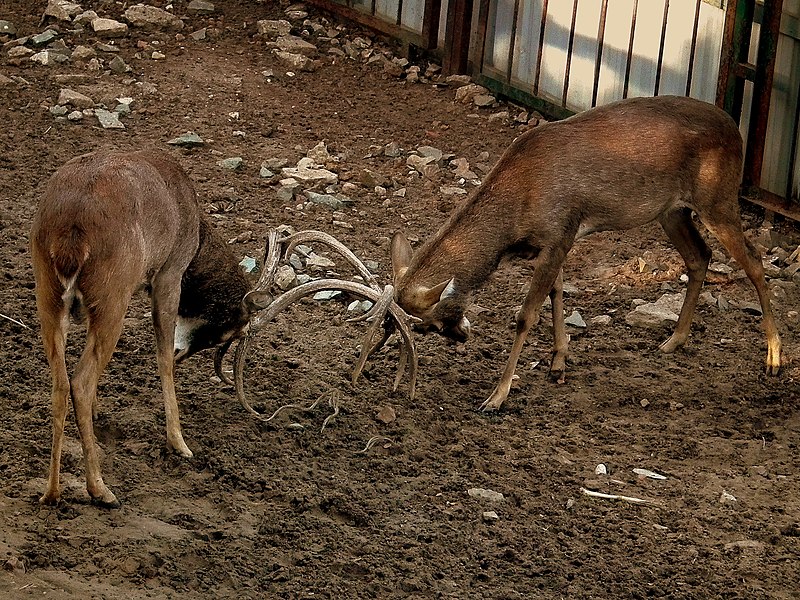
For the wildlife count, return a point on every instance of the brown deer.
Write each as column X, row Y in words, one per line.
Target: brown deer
column 108, row 223
column 609, row 168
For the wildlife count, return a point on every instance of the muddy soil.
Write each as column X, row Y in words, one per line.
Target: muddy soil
column 288, row 510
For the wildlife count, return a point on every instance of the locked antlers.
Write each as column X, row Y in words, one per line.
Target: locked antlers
column 385, row 313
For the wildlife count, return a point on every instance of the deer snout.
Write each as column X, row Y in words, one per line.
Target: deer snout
column 460, row 332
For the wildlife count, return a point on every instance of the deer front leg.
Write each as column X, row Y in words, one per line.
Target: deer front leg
column 547, row 267
column 558, row 365
column 165, row 297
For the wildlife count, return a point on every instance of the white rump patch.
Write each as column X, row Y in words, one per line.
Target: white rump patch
column 183, row 332
column 69, row 286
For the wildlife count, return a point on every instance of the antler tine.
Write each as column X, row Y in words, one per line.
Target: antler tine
column 408, row 353
column 238, row 375
column 272, row 256
column 286, row 299
column 378, row 313
column 378, row 310
column 219, row 356
column 324, row 238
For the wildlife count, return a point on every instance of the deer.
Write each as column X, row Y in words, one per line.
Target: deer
column 108, row 224
column 112, row 222
column 612, row 167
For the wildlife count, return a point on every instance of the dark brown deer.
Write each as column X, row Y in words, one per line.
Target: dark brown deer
column 609, row 168
column 108, row 223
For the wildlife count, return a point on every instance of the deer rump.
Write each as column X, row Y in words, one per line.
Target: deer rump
column 108, row 224
column 613, row 167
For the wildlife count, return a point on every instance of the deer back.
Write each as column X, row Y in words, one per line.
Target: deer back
column 613, row 167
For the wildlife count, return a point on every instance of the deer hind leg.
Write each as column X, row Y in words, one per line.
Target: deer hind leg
column 729, row 232
column 696, row 254
column 558, row 365
column 547, row 267
column 165, row 297
column 104, row 328
column 55, row 322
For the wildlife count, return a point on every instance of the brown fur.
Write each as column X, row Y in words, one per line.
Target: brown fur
column 109, row 223
column 617, row 167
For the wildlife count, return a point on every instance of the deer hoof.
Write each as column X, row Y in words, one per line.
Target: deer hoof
column 50, row 499
column 670, row 345
column 491, row 404
column 107, row 501
column 102, row 496
column 182, row 449
column 773, row 369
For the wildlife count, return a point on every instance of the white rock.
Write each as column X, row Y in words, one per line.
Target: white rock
column 601, row 320
column 319, row 262
column 306, row 172
column 274, row 28
column 484, row 494
column 72, row 98
column 151, row 17
column 285, row 277
column 663, row 311
column 109, row 28
column 296, row 45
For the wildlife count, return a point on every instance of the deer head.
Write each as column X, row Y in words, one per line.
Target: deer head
column 440, row 307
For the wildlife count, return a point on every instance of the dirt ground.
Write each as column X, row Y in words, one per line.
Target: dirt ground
column 287, row 510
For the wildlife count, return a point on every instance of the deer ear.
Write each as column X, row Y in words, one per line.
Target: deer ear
column 401, row 255
column 256, row 300
column 439, row 292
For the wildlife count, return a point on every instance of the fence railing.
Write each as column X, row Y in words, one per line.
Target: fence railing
column 564, row 56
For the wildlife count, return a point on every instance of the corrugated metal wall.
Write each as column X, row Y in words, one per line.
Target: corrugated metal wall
column 644, row 47
column 575, row 54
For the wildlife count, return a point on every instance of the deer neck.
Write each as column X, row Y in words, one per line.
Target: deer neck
column 467, row 248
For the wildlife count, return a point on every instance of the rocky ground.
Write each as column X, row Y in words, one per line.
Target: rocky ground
column 285, row 117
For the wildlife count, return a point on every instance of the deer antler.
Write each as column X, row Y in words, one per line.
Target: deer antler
column 311, row 235
column 219, row 356
column 384, row 312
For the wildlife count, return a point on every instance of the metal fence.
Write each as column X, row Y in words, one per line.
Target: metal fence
column 580, row 53
column 564, row 56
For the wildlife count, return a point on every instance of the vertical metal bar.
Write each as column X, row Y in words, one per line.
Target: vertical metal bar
column 660, row 61
column 373, row 7
column 735, row 50
column 790, row 186
column 513, row 42
column 479, row 49
column 693, row 49
column 430, row 23
column 629, row 58
column 762, row 92
column 570, row 45
column 541, row 49
column 601, row 32
column 399, row 12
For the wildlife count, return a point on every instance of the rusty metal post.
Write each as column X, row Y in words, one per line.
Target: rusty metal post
column 430, row 24
column 457, row 36
column 733, row 56
column 762, row 91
